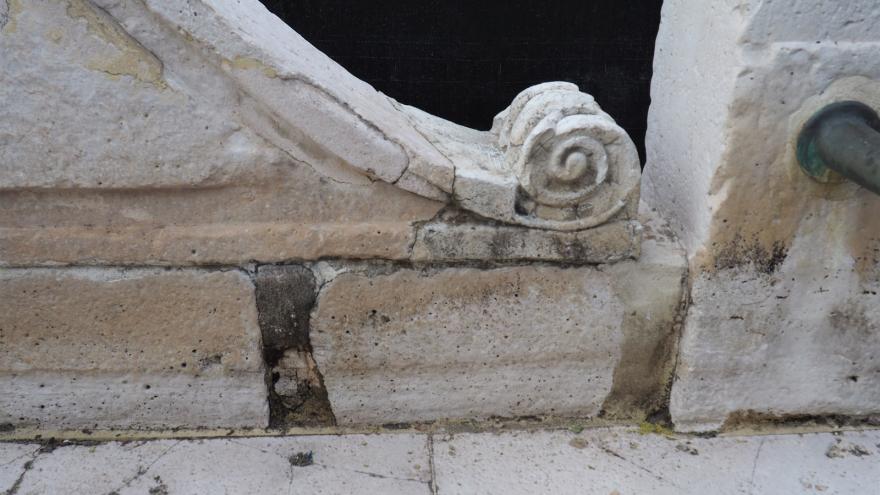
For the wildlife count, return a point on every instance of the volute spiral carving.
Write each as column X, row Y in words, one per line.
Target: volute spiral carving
column 575, row 167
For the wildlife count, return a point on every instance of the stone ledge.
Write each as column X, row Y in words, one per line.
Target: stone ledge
column 454, row 240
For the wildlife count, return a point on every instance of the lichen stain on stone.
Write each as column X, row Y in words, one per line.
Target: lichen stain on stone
column 9, row 10
column 247, row 63
column 132, row 60
column 54, row 35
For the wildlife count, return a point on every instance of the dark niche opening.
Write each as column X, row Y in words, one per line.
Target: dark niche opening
column 466, row 60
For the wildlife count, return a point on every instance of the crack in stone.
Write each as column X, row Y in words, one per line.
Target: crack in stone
column 376, row 475
column 27, row 466
column 755, row 467
column 13, row 461
column 143, row 470
column 432, row 484
column 609, row 451
column 15, row 486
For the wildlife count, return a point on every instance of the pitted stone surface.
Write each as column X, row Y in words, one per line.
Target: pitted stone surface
column 466, row 343
column 141, row 348
column 525, row 340
column 798, row 339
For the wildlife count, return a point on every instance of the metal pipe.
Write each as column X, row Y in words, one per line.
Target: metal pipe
column 842, row 137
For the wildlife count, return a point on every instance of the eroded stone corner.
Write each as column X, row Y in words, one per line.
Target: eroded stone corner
column 285, row 296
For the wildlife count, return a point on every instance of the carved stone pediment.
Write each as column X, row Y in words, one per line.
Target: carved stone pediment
column 552, row 160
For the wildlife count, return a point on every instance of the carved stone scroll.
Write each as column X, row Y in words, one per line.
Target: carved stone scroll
column 552, row 160
column 576, row 168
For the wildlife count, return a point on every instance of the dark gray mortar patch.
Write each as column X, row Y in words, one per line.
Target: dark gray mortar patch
column 285, row 297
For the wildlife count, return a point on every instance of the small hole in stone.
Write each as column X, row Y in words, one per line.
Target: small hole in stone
column 853, row 378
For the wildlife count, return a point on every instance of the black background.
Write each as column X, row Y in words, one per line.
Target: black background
column 466, row 60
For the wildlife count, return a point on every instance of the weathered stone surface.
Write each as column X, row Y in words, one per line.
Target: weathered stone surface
column 121, row 142
column 598, row 461
column 718, row 138
column 86, row 105
column 780, row 342
column 450, row 240
column 609, row 461
column 173, row 95
column 14, row 456
column 553, row 159
column 141, row 348
column 462, row 343
column 292, row 214
column 783, row 266
column 388, row 464
column 413, row 345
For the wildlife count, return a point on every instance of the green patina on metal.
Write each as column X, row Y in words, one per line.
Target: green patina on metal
column 842, row 141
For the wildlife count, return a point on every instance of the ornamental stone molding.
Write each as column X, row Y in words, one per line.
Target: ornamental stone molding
column 552, row 160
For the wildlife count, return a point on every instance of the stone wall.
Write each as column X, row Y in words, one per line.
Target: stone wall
column 204, row 222
column 783, row 323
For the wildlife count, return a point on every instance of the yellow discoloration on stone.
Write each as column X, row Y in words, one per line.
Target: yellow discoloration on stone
column 14, row 8
column 864, row 242
column 761, row 197
column 132, row 58
column 54, row 35
column 246, row 63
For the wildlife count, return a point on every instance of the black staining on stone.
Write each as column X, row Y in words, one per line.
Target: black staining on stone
column 501, row 247
column 751, row 420
column 851, row 318
column 739, row 252
column 302, row 459
column 160, row 488
column 4, row 13
column 642, row 382
column 285, row 296
column 687, row 448
column 6, row 427
column 397, row 426
column 208, row 361
column 573, row 249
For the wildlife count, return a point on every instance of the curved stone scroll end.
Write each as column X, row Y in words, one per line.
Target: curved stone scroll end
column 575, row 167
